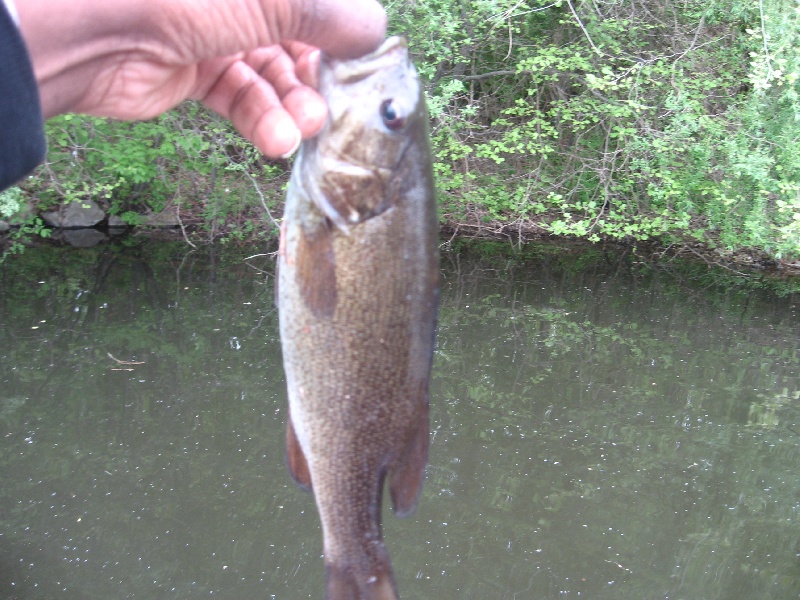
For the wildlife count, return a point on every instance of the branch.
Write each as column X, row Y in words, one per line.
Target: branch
column 261, row 197
column 764, row 37
column 586, row 33
column 493, row 74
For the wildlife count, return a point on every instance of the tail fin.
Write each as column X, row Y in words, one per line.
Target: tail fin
column 345, row 584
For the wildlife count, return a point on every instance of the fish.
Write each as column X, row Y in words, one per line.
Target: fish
column 357, row 294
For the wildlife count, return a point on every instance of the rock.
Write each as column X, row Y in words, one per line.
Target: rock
column 116, row 222
column 4, row 226
column 166, row 219
column 84, row 213
column 82, row 238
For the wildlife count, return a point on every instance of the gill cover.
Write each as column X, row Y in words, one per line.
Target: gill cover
column 358, row 156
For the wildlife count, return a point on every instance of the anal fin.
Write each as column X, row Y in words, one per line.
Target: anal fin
column 295, row 458
column 407, row 475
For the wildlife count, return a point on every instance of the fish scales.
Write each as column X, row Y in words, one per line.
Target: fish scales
column 357, row 295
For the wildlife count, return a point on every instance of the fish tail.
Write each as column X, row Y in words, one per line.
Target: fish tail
column 344, row 583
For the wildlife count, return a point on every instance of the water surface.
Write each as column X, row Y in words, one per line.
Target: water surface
column 600, row 429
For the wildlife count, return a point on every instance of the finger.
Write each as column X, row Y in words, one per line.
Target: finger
column 306, row 60
column 342, row 28
column 302, row 102
column 308, row 110
column 251, row 104
column 205, row 29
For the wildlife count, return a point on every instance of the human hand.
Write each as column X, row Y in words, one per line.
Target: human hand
column 252, row 61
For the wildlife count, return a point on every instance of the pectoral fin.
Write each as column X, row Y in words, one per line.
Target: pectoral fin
column 316, row 270
column 296, row 459
column 407, row 476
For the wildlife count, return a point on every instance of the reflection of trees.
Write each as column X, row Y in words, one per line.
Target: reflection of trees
column 109, row 469
column 632, row 429
column 594, row 420
column 127, row 305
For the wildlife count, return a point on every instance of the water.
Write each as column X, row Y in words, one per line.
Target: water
column 600, row 429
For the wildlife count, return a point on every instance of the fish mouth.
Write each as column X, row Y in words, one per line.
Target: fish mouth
column 392, row 51
column 389, row 45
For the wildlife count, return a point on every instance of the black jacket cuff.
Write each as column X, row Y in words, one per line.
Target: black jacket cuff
column 22, row 141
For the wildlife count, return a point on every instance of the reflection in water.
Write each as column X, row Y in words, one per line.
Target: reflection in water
column 601, row 429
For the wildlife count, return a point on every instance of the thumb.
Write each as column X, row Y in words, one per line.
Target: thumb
column 341, row 28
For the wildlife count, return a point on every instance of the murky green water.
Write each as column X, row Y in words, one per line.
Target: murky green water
column 600, row 430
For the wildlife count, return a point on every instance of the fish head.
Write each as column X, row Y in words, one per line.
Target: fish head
column 355, row 167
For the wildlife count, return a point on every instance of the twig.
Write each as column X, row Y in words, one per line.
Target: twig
column 124, row 362
column 493, row 74
column 261, row 196
column 180, row 221
column 694, row 41
column 586, row 33
column 270, row 254
column 764, row 38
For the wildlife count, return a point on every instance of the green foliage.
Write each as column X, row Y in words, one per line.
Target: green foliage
column 11, row 202
column 668, row 119
column 188, row 158
column 622, row 120
column 15, row 213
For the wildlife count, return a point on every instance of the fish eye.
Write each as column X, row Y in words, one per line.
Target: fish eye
column 391, row 115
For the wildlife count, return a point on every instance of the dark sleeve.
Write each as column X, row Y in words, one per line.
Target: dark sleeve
column 22, row 142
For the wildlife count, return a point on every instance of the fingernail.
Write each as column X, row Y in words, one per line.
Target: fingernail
column 314, row 59
column 295, row 146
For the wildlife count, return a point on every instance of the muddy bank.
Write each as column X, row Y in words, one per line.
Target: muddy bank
column 191, row 230
column 520, row 232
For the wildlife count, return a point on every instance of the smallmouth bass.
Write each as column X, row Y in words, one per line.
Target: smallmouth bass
column 357, row 292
